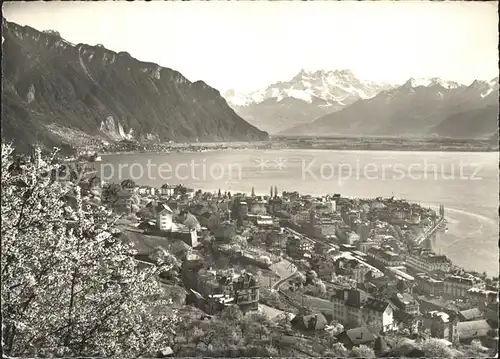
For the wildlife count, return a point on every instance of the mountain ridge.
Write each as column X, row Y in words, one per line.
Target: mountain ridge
column 414, row 109
column 53, row 87
column 300, row 100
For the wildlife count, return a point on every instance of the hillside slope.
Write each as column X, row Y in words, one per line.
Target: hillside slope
column 414, row 109
column 58, row 93
column 481, row 122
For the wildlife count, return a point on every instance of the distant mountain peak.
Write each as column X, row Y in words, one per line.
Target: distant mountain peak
column 307, row 95
column 420, row 107
column 339, row 87
column 478, row 84
column 415, row 82
column 345, row 72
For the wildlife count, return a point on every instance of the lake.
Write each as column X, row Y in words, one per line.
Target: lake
column 465, row 182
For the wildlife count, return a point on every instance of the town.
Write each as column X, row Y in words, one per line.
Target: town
column 354, row 271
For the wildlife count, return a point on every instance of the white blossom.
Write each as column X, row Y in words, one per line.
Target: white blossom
column 67, row 289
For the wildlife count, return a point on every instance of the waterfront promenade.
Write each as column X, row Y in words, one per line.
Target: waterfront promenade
column 430, row 232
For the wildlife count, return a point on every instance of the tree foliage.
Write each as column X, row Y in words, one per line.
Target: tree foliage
column 52, row 32
column 435, row 348
column 128, row 184
column 231, row 334
column 68, row 286
column 362, row 352
column 336, row 350
column 110, row 193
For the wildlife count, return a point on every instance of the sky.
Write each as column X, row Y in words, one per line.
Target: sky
column 247, row 45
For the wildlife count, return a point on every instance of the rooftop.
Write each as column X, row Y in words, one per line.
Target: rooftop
column 461, row 280
column 376, row 305
column 473, row 313
column 442, row 315
column 405, row 298
column 473, row 329
column 358, row 336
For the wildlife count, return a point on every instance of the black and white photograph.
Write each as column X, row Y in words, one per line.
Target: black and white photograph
column 241, row 179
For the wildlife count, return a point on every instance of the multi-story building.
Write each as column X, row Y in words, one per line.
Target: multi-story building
column 399, row 273
column 209, row 219
column 164, row 216
column 368, row 243
column 355, row 308
column 221, row 288
column 429, row 285
column 325, row 267
column 297, row 247
column 323, row 226
column 378, row 314
column 146, row 190
column 457, row 287
column 490, row 311
column 363, row 231
column 385, row 257
column 258, row 207
column 406, row 303
column 167, row 190
column 415, row 218
column 242, row 210
column 300, row 217
column 478, row 296
column 426, row 261
column 442, row 326
column 352, row 268
column 402, row 214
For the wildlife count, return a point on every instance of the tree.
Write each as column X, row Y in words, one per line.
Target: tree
column 231, row 313
column 69, row 288
column 219, row 194
column 253, row 191
column 311, row 277
column 239, row 241
column 299, row 279
column 435, row 348
column 336, row 329
column 128, row 184
column 283, row 322
column 145, row 213
column 475, row 350
column 401, row 286
column 110, row 192
column 271, row 192
column 336, row 350
column 256, row 326
column 180, row 189
column 52, row 32
column 320, row 290
column 362, row 352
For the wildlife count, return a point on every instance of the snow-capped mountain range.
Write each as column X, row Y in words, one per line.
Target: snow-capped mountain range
column 429, row 82
column 307, row 96
column 339, row 87
column 419, row 107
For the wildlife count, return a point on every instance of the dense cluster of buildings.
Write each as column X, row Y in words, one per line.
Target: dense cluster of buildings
column 364, row 250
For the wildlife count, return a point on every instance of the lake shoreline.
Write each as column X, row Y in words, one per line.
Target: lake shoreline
column 473, row 226
column 454, row 150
